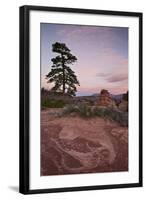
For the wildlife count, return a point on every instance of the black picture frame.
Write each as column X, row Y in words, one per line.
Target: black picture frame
column 25, row 105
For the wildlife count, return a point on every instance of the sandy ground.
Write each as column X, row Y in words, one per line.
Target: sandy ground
column 75, row 145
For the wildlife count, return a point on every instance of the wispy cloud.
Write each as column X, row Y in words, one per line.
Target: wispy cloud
column 102, row 74
column 117, row 78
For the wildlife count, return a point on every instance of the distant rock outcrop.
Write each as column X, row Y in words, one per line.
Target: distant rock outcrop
column 106, row 100
column 123, row 106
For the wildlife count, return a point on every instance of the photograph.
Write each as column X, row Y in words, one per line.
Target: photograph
column 80, row 99
column 84, row 99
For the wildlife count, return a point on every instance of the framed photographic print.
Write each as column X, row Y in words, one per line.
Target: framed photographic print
column 80, row 99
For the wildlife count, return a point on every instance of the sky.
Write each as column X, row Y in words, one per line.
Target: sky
column 102, row 56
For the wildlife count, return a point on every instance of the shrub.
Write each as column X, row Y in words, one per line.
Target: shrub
column 82, row 109
column 52, row 103
column 90, row 111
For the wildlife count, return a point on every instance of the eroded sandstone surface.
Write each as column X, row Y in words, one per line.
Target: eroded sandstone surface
column 73, row 144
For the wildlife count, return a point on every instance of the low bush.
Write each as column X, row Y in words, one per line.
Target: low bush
column 47, row 103
column 82, row 109
column 92, row 111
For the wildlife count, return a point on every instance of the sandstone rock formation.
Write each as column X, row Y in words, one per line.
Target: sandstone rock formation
column 73, row 145
column 106, row 100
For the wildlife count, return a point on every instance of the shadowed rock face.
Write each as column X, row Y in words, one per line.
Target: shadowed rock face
column 72, row 145
column 123, row 106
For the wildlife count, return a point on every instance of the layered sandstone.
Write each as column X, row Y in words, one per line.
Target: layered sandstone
column 105, row 99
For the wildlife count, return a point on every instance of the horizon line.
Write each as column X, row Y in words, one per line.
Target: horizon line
column 92, row 94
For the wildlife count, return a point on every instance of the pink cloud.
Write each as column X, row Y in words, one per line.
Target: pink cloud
column 117, row 78
column 109, row 71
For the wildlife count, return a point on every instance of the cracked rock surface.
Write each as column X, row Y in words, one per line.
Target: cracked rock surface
column 72, row 145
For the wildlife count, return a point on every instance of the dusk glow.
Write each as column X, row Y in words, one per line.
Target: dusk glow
column 102, row 54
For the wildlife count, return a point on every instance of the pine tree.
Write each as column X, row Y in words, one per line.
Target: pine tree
column 61, row 74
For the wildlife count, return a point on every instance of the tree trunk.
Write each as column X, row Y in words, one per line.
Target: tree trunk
column 63, row 69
